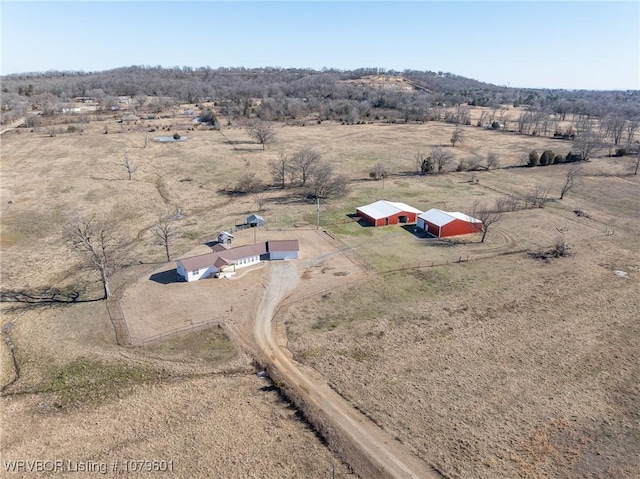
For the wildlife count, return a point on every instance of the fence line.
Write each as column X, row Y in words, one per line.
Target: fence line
column 461, row 259
column 177, row 331
column 123, row 338
column 301, row 299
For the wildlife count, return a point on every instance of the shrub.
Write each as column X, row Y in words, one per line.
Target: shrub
column 547, row 158
column 573, row 157
column 621, row 152
column 534, row 159
column 495, row 125
column 72, row 129
column 176, row 136
column 558, row 159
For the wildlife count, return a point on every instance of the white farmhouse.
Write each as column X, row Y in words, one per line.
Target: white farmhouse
column 224, row 261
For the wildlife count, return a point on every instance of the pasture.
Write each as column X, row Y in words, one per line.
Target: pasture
column 500, row 366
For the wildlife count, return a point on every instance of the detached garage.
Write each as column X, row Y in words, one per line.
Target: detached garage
column 382, row 213
column 283, row 249
column 441, row 223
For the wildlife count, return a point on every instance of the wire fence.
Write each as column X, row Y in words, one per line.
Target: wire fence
column 288, row 302
column 176, row 332
column 124, row 338
column 461, row 259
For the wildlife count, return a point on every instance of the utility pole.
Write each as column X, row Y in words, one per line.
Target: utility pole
column 318, row 213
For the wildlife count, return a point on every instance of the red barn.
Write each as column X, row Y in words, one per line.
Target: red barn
column 382, row 213
column 440, row 223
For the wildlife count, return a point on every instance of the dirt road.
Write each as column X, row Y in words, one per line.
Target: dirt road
column 385, row 455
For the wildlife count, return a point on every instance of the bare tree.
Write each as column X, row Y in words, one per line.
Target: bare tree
column 260, row 200
column 537, row 197
column 492, row 161
column 631, row 128
column 280, row 169
column 635, row 169
column 587, row 143
column 462, row 115
column 507, row 203
column 379, row 172
column 165, row 233
column 128, row 165
column 249, row 183
column 262, row 132
column 442, row 160
column 612, row 126
column 484, row 118
column 457, row 136
column 487, row 215
column 138, row 101
column 504, row 118
column 324, row 182
column 303, row 162
column 570, row 179
column 97, row 243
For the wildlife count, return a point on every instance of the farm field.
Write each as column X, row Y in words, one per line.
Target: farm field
column 495, row 365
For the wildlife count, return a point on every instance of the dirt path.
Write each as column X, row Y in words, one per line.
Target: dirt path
column 384, row 454
column 15, row 124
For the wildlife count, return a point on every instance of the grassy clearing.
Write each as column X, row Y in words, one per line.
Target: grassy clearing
column 91, row 382
column 211, row 346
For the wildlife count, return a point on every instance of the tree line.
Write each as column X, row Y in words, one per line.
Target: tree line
column 293, row 94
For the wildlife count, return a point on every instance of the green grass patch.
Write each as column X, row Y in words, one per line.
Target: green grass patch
column 211, row 346
column 86, row 381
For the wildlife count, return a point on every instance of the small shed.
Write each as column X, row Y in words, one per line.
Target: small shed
column 441, row 223
column 225, row 237
column 255, row 220
column 383, row 212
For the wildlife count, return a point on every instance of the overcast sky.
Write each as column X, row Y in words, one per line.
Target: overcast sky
column 574, row 45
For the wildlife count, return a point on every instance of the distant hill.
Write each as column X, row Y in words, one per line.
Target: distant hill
column 289, row 93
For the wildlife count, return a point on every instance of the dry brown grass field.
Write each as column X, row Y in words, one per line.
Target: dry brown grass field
column 502, row 366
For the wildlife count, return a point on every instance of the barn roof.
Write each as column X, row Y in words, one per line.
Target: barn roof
column 440, row 218
column 383, row 209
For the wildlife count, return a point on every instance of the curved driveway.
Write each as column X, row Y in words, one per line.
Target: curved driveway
column 384, row 453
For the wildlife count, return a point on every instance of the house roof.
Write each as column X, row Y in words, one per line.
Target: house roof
column 383, row 208
column 283, row 245
column 440, row 218
column 223, row 257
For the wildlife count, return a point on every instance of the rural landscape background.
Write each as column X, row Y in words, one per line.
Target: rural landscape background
column 515, row 356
